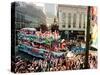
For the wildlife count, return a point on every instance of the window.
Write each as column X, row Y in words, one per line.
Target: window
column 63, row 26
column 17, row 26
column 63, row 20
column 17, row 15
column 22, row 17
column 69, row 20
column 84, row 21
column 80, row 20
column 64, row 15
column 74, row 20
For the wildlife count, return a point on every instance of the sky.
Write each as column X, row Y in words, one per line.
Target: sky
column 50, row 9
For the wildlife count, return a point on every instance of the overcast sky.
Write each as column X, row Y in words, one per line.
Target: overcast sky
column 51, row 9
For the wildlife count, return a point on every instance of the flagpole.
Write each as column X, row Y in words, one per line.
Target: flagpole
column 87, row 37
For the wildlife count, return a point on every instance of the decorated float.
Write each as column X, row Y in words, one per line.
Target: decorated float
column 38, row 44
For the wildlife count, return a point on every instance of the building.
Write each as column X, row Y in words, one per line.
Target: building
column 51, row 13
column 72, row 21
column 28, row 15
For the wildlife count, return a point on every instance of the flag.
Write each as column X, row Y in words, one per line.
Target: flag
column 94, row 11
column 95, row 29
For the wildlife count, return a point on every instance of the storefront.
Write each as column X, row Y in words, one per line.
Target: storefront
column 72, row 34
column 81, row 35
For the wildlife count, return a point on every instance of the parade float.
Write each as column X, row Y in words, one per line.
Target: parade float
column 36, row 43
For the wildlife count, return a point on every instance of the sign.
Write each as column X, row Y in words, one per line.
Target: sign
column 66, row 32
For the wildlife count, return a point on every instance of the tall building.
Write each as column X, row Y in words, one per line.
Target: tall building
column 72, row 21
column 51, row 13
column 28, row 15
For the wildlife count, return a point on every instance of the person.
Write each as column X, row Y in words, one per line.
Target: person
column 63, row 44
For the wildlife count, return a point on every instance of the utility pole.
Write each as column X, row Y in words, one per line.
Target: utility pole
column 87, row 37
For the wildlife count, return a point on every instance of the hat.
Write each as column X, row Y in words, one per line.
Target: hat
column 62, row 40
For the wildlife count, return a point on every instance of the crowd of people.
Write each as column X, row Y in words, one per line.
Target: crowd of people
column 54, row 64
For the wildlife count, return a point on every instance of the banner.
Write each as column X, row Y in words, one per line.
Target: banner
column 94, row 26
